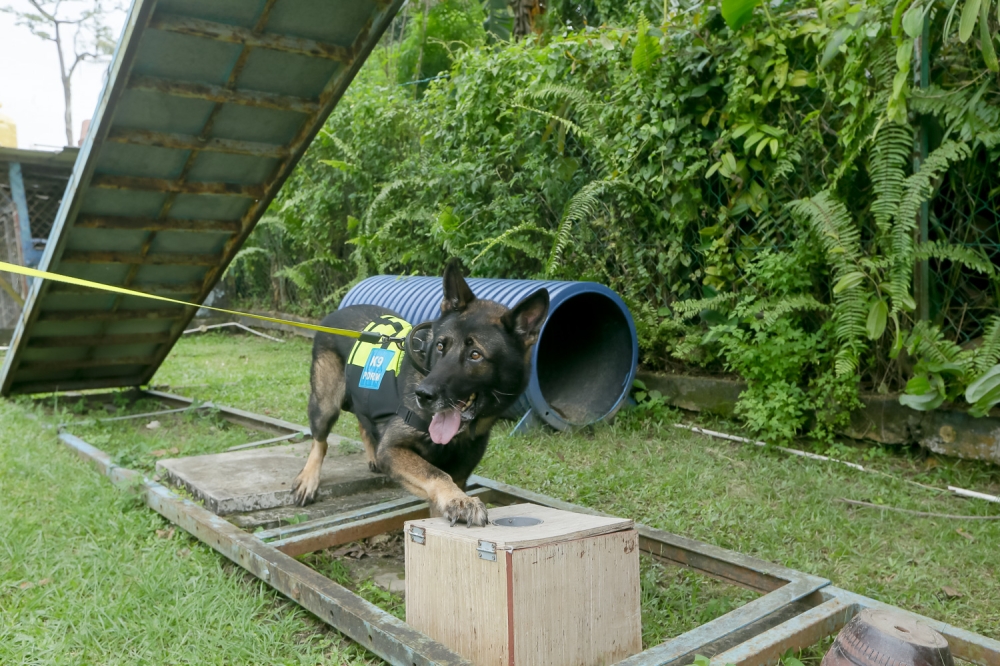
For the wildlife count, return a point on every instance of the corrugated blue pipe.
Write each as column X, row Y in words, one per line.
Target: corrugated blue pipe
column 585, row 359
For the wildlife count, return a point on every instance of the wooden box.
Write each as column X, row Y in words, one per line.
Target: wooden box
column 563, row 590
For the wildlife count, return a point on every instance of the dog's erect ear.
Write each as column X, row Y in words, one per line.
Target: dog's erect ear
column 457, row 294
column 526, row 318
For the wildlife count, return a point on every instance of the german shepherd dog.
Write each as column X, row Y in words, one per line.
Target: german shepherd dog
column 478, row 358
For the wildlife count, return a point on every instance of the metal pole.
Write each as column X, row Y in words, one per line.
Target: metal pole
column 17, row 193
column 921, row 79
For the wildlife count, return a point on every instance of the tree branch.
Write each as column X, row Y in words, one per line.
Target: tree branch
column 81, row 57
column 47, row 24
column 45, row 14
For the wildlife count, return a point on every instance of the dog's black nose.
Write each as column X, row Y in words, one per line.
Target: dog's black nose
column 424, row 394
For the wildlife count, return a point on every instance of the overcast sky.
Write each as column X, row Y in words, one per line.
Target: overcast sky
column 30, row 89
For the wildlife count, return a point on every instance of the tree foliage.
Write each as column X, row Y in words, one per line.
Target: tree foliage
column 435, row 36
column 80, row 32
column 750, row 194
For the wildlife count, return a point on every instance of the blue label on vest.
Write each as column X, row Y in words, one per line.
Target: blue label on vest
column 375, row 367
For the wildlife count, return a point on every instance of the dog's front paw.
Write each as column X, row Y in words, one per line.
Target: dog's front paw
column 469, row 510
column 305, row 486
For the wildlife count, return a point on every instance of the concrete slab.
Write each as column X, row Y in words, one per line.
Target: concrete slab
column 393, row 581
column 950, row 432
column 254, row 479
column 285, row 515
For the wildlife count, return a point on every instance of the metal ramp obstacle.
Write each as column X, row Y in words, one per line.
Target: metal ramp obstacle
column 208, row 106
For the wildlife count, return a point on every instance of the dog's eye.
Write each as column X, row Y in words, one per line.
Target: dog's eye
column 475, row 355
column 440, row 346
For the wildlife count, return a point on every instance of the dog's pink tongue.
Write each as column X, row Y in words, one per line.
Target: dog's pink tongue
column 445, row 425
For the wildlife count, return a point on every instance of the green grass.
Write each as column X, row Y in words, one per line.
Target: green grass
column 675, row 600
column 86, row 579
column 137, row 445
column 85, row 576
column 117, row 592
column 783, row 509
column 247, row 372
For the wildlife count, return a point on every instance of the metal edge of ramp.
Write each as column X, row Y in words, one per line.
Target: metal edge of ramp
column 208, row 107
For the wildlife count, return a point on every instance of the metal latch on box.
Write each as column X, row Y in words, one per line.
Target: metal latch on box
column 487, row 550
column 416, row 534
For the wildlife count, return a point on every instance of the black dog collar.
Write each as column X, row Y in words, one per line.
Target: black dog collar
column 412, row 419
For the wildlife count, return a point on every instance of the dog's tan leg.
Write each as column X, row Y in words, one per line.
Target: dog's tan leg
column 460, row 484
column 307, row 482
column 325, row 399
column 427, row 481
column 370, row 448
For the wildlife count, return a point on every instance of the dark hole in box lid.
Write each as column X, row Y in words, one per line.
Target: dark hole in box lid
column 517, row 521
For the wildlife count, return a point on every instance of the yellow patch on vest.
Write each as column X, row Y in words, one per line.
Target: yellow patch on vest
column 361, row 350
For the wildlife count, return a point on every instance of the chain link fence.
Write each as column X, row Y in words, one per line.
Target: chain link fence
column 13, row 287
column 43, row 194
column 966, row 212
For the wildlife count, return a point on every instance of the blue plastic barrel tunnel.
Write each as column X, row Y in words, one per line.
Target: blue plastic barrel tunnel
column 585, row 359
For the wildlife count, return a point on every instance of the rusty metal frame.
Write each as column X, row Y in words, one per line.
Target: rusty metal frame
column 795, row 611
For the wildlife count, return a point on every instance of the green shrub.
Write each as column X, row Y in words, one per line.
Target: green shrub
column 451, row 26
column 750, row 194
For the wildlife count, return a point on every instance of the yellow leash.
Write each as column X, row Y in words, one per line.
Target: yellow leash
column 364, row 336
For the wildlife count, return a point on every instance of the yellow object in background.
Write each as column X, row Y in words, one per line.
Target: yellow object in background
column 8, row 132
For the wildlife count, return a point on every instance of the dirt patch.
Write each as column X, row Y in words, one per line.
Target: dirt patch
column 373, row 567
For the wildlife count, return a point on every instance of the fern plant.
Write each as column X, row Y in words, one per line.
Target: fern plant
column 840, row 236
column 874, row 288
column 890, row 153
column 510, row 239
column 970, row 114
column 917, row 190
column 775, row 334
column 584, row 205
column 587, row 203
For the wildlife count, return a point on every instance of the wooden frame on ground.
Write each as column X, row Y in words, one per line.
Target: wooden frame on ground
column 795, row 611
